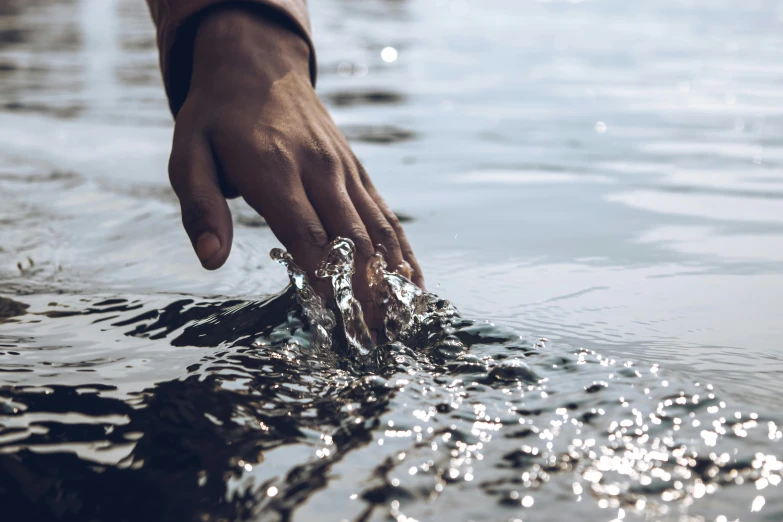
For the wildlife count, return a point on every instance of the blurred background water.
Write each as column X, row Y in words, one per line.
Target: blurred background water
column 605, row 174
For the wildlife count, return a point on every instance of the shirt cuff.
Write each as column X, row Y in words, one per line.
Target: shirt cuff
column 176, row 21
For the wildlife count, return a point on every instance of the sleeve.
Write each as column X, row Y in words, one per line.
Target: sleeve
column 175, row 32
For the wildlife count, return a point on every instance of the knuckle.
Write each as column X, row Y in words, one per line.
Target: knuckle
column 313, row 235
column 387, row 235
column 275, row 148
column 362, row 242
column 279, row 156
column 395, row 224
column 330, row 161
column 363, row 176
column 393, row 220
column 197, row 210
column 327, row 158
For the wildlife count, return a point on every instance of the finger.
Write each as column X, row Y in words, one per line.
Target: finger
column 340, row 218
column 293, row 220
column 295, row 223
column 407, row 251
column 264, row 172
column 205, row 213
column 378, row 227
column 405, row 246
column 337, row 212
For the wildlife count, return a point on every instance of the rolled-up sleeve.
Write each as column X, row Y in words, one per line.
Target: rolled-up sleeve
column 171, row 18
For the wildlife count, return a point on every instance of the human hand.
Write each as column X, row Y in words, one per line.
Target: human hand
column 252, row 126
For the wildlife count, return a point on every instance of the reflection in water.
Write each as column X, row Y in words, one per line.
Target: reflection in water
column 350, row 99
column 382, row 135
column 10, row 308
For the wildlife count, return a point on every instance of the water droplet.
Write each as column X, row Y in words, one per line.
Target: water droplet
column 512, row 371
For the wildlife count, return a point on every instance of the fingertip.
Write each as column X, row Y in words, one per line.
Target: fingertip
column 208, row 250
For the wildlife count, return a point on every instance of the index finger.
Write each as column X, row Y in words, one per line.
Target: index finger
column 292, row 219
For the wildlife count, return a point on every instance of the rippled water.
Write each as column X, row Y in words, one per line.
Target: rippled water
column 605, row 175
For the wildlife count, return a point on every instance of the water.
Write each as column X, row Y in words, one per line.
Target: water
column 603, row 174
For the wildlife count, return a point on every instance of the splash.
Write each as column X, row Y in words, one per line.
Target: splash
column 407, row 309
column 319, row 318
column 409, row 314
column 339, row 268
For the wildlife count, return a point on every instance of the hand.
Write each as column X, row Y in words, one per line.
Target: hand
column 252, row 126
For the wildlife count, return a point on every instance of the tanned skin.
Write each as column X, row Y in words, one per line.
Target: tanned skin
column 252, row 126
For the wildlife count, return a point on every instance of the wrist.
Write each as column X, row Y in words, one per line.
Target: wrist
column 256, row 44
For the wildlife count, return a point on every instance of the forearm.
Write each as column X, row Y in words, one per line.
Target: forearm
column 256, row 43
column 178, row 21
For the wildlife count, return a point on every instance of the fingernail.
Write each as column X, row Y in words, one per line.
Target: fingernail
column 207, row 246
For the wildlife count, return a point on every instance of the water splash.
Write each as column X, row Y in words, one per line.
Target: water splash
column 312, row 306
column 339, row 268
column 407, row 309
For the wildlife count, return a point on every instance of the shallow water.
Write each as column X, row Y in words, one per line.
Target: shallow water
column 606, row 175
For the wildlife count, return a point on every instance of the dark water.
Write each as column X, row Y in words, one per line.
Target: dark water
column 605, row 175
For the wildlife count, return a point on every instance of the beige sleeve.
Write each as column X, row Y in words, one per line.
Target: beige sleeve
column 175, row 37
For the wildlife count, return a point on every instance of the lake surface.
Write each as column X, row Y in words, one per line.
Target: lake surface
column 597, row 186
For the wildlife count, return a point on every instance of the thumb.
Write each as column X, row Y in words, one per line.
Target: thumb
column 205, row 213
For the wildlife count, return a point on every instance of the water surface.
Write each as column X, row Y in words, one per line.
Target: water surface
column 605, row 175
